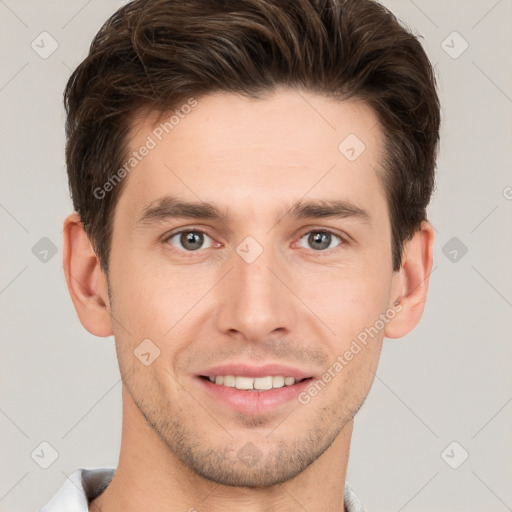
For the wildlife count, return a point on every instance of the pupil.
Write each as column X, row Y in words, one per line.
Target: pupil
column 192, row 240
column 321, row 240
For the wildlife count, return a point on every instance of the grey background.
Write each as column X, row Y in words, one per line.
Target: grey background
column 449, row 380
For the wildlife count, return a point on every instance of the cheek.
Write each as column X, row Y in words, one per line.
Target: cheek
column 150, row 299
column 346, row 300
column 166, row 307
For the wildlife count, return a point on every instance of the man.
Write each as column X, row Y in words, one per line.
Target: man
column 250, row 182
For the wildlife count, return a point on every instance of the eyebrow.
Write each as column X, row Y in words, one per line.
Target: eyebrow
column 169, row 207
column 321, row 209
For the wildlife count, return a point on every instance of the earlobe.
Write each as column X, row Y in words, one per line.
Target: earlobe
column 87, row 283
column 412, row 279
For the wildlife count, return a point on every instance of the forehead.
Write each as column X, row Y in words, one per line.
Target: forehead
column 253, row 154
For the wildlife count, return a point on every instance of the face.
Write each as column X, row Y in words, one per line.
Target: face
column 247, row 244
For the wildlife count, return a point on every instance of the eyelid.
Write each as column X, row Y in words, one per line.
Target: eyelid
column 184, row 229
column 319, row 229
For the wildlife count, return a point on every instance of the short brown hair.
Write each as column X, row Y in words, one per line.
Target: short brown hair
column 156, row 53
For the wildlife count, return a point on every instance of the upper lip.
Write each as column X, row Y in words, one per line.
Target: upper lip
column 245, row 370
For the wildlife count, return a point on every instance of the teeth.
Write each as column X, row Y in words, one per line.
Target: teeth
column 250, row 383
column 278, row 381
column 244, row 383
column 229, row 381
column 263, row 383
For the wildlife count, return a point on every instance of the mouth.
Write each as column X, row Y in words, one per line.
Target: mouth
column 252, row 396
column 244, row 383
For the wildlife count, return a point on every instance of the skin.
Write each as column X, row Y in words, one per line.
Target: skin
column 294, row 304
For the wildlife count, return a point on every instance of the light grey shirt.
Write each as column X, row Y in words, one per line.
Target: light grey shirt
column 84, row 485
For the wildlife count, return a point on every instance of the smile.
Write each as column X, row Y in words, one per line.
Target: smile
column 253, row 383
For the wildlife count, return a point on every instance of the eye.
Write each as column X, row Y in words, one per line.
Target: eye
column 191, row 240
column 320, row 240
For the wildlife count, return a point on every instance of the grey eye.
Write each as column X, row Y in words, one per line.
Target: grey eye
column 319, row 240
column 191, row 240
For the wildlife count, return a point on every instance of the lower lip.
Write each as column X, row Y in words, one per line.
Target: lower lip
column 253, row 402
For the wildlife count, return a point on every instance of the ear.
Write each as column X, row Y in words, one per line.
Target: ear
column 411, row 283
column 87, row 283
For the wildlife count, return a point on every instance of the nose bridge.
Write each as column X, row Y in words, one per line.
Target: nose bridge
column 255, row 302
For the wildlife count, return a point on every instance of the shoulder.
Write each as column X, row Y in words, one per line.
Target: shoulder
column 352, row 501
column 82, row 486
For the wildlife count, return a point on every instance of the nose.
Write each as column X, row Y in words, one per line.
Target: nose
column 255, row 303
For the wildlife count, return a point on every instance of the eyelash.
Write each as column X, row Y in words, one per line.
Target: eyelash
column 343, row 240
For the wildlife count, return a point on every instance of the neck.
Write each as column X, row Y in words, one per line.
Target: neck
column 150, row 477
